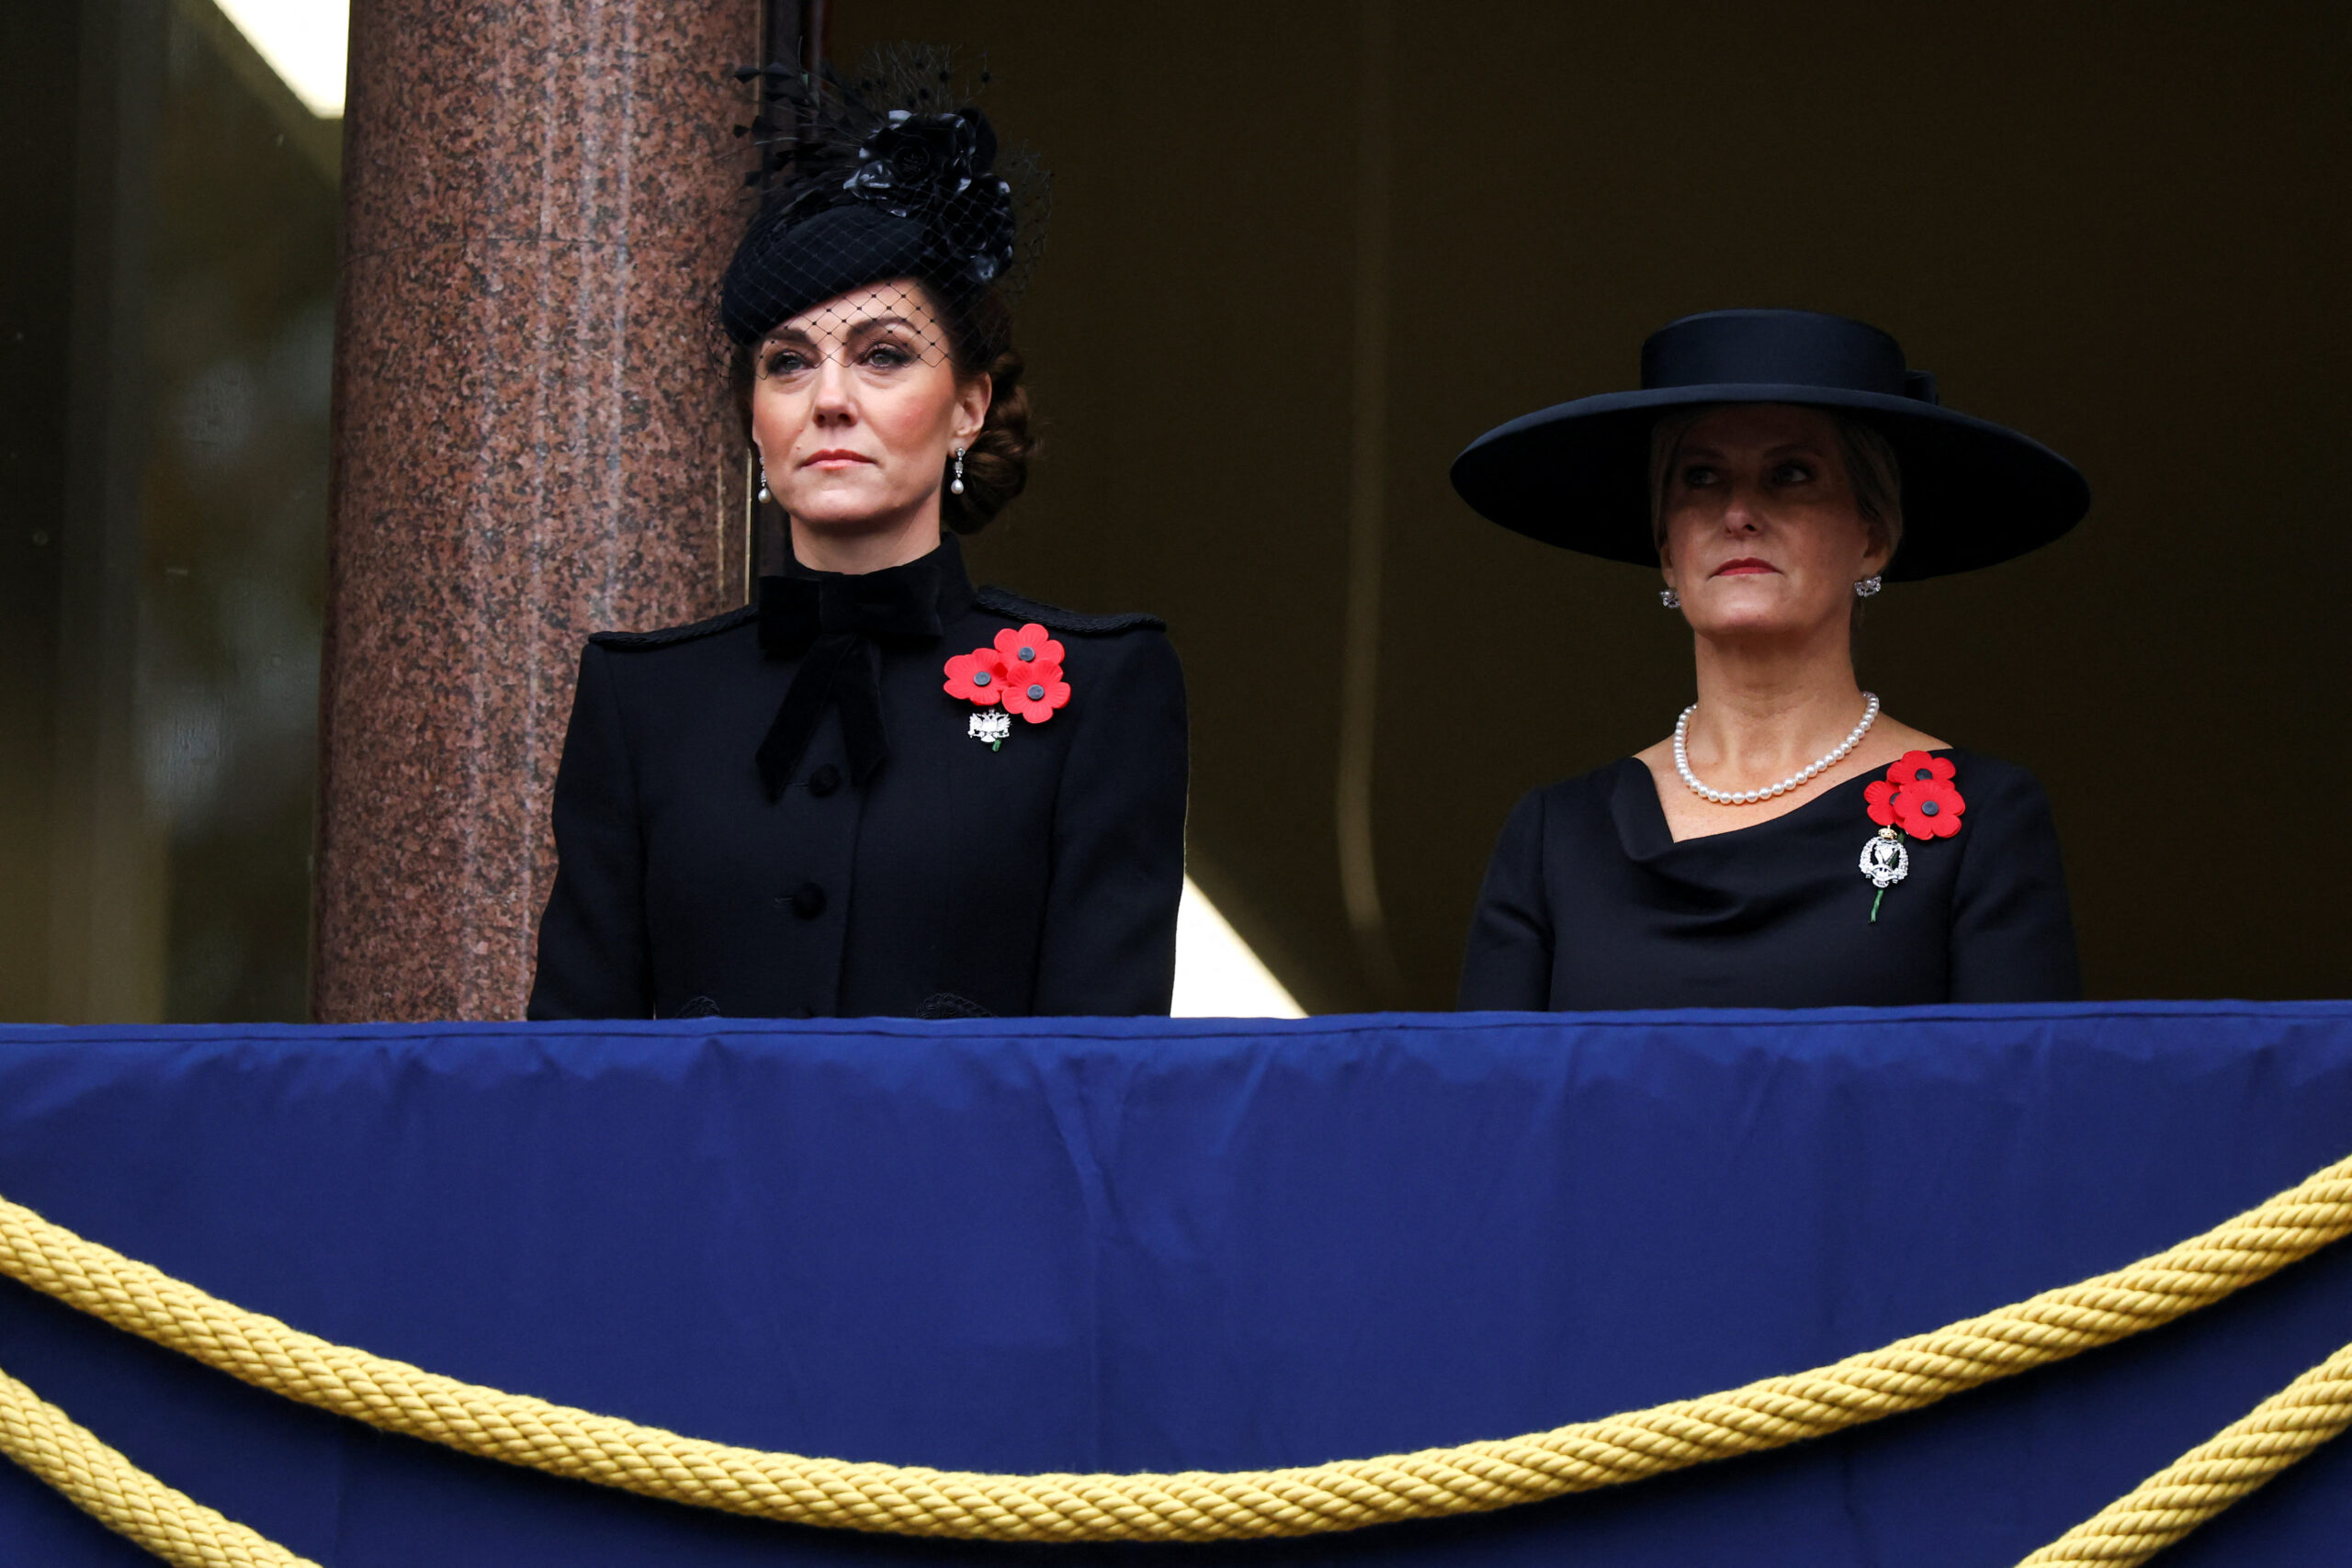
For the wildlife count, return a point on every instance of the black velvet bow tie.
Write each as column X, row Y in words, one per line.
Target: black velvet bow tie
column 830, row 624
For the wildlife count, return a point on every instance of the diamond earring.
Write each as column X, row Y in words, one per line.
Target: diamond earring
column 955, row 486
column 1670, row 598
column 1868, row 586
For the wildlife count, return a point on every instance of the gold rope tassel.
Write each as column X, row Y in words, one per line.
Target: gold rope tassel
column 1193, row 1505
column 2209, row 1477
column 123, row 1497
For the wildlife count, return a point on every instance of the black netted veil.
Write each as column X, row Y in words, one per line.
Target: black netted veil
column 876, row 178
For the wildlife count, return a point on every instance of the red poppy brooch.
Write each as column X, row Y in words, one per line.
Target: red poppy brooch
column 1917, row 797
column 1021, row 673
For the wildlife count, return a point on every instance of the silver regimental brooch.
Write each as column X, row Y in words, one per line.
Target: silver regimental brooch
column 1884, row 859
column 991, row 726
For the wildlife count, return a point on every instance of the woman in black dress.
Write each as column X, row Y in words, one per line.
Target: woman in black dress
column 1790, row 845
column 878, row 790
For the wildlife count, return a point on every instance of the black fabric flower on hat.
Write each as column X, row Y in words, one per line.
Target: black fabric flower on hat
column 938, row 168
column 914, row 164
column 860, row 193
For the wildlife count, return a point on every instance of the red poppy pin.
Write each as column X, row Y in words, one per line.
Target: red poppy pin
column 1021, row 674
column 1916, row 795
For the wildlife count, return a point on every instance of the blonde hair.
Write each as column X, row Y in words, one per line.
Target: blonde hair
column 1872, row 471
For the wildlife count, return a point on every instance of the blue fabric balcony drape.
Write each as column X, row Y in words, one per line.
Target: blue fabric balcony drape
column 1129, row 1244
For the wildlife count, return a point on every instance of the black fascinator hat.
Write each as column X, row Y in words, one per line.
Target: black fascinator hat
column 873, row 178
column 1577, row 475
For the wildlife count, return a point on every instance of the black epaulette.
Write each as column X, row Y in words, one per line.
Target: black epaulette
column 669, row 635
column 1054, row 618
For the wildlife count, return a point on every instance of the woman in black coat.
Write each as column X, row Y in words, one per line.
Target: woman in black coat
column 1789, row 845
column 878, row 790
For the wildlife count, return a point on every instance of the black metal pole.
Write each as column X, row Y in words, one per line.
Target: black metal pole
column 793, row 33
column 813, row 16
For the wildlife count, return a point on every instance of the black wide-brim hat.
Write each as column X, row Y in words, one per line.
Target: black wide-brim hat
column 1578, row 475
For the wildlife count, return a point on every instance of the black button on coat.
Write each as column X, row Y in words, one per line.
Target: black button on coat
column 1039, row 875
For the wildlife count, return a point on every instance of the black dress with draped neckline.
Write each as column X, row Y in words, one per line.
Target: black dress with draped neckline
column 1590, row 904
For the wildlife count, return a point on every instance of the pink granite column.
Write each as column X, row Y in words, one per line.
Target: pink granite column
column 533, row 440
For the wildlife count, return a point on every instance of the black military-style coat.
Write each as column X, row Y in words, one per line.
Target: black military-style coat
column 1038, row 874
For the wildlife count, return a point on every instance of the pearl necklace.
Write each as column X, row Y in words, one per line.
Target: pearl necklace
column 1750, row 797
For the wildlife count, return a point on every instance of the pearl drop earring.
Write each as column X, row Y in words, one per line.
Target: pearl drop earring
column 955, row 486
column 763, row 469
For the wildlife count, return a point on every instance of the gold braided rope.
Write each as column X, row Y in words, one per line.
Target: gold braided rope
column 2157, row 1513
column 123, row 1497
column 2213, row 1475
column 1193, row 1505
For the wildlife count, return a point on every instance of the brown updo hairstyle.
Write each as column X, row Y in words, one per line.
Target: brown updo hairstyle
column 996, row 465
column 979, row 341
